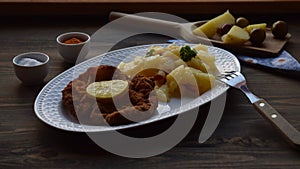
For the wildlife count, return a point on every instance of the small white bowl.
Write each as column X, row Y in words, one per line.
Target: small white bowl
column 70, row 52
column 32, row 67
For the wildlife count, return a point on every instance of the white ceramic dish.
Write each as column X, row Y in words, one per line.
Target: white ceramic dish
column 48, row 105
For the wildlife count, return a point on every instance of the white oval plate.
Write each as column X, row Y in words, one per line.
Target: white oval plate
column 48, row 104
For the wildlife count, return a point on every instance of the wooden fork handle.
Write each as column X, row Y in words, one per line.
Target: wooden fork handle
column 286, row 129
column 147, row 22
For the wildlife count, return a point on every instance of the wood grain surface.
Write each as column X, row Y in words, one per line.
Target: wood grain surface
column 243, row 138
column 98, row 7
column 135, row 1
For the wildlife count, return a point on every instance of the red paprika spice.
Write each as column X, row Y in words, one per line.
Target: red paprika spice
column 73, row 41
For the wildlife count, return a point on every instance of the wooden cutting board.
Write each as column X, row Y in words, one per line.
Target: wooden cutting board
column 270, row 47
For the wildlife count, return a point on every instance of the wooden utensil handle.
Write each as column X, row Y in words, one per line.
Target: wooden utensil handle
column 143, row 19
column 149, row 24
column 286, row 129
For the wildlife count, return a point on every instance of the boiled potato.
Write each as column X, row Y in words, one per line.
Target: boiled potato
column 249, row 28
column 205, row 81
column 236, row 36
column 186, row 79
column 163, row 93
column 225, row 18
column 209, row 61
column 133, row 67
column 183, row 77
column 197, row 64
column 210, row 28
column 192, row 81
column 173, row 89
column 168, row 62
column 203, row 61
column 200, row 47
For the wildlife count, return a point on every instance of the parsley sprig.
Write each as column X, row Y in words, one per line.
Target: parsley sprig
column 186, row 53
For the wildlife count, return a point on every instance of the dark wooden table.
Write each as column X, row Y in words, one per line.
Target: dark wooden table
column 243, row 138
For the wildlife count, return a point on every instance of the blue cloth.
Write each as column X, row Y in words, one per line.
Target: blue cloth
column 284, row 61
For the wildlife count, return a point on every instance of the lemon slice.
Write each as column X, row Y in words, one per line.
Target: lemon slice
column 107, row 89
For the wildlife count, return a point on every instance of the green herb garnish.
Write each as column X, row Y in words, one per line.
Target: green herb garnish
column 150, row 52
column 186, row 53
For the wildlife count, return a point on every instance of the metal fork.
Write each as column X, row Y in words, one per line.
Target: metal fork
column 237, row 80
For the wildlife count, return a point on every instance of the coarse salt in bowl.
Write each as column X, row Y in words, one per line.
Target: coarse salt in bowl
column 31, row 68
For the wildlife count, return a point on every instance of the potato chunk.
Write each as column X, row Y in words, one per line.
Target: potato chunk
column 209, row 29
column 163, row 93
column 225, row 18
column 249, row 28
column 236, row 36
column 204, row 81
column 191, row 81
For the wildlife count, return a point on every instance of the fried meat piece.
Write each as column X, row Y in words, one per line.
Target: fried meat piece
column 143, row 102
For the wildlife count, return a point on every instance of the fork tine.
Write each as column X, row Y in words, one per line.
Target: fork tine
column 221, row 76
column 233, row 71
column 239, row 74
column 228, row 75
column 230, row 72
